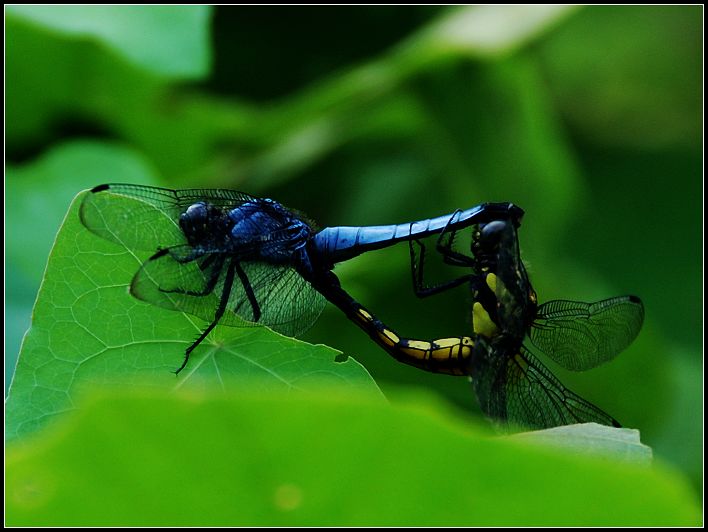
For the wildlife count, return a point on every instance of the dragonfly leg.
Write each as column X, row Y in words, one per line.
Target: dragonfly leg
column 444, row 244
column 210, row 284
column 249, row 292
column 417, row 267
column 228, row 285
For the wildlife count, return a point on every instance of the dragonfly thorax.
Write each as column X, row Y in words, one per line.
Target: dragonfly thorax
column 279, row 233
column 506, row 294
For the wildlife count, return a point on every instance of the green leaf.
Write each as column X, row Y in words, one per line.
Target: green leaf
column 170, row 41
column 88, row 332
column 644, row 88
column 60, row 80
column 188, row 134
column 40, row 192
column 316, row 460
column 488, row 31
column 594, row 439
column 319, row 119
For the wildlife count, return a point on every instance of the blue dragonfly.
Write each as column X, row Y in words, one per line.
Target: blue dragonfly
column 231, row 258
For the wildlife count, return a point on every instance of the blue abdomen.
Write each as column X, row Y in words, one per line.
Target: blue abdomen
column 336, row 244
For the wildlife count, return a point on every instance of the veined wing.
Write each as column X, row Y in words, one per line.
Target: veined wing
column 580, row 336
column 513, row 387
column 288, row 303
column 147, row 218
column 284, row 300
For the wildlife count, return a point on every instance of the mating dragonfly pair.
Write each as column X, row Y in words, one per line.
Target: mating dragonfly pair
column 238, row 260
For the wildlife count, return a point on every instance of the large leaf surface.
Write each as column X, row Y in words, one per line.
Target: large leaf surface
column 39, row 193
column 297, row 460
column 88, row 332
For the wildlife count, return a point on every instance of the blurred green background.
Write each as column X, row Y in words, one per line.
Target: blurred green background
column 589, row 118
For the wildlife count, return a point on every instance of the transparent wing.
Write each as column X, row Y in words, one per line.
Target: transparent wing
column 289, row 304
column 286, row 302
column 580, row 336
column 169, row 281
column 513, row 387
column 146, row 218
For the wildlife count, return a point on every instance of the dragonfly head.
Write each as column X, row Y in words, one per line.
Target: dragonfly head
column 490, row 234
column 486, row 241
column 200, row 221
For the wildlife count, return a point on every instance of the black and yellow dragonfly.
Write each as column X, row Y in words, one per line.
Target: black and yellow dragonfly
column 512, row 386
column 577, row 335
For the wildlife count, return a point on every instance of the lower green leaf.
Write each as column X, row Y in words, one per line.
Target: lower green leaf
column 316, row 460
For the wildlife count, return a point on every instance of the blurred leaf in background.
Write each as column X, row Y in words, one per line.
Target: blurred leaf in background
column 588, row 118
column 314, row 460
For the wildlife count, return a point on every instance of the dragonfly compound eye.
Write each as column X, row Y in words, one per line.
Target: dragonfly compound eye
column 194, row 220
column 196, row 212
column 490, row 234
